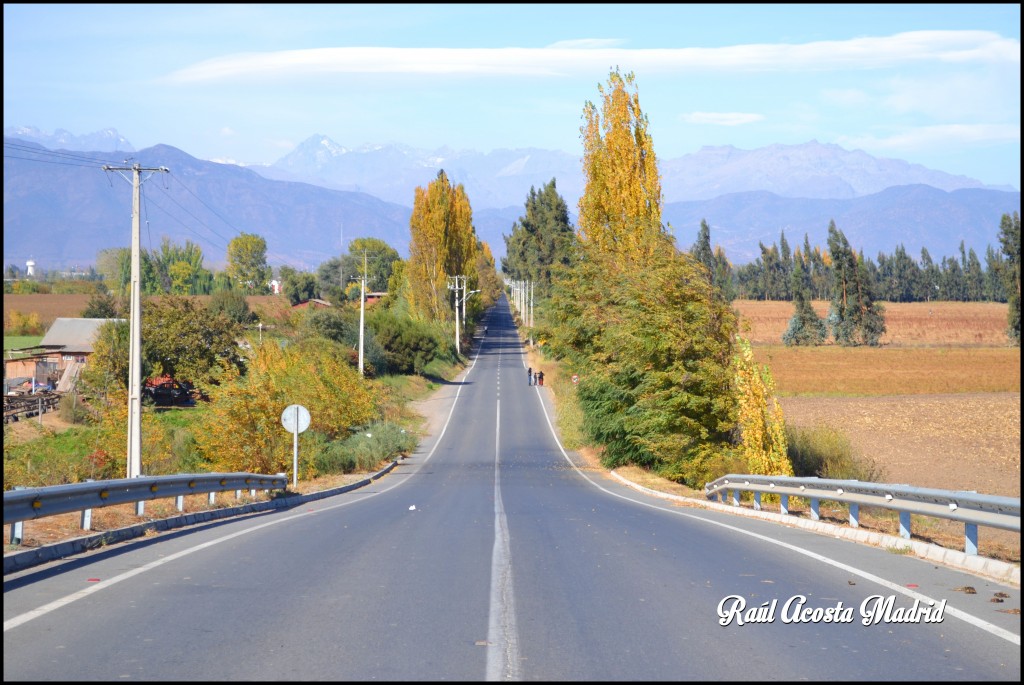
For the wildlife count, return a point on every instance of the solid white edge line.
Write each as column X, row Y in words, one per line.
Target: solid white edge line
column 16, row 621
column 952, row 611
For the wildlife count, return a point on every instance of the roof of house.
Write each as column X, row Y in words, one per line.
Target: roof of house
column 73, row 336
column 313, row 302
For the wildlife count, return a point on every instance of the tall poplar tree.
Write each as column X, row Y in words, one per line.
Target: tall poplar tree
column 620, row 210
column 247, row 263
column 443, row 243
column 638, row 318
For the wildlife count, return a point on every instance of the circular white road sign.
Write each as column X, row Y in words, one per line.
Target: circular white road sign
column 295, row 418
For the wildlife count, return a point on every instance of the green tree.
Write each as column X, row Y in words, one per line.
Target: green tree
column 701, row 249
column 1009, row 241
column 541, row 240
column 995, row 291
column 854, row 317
column 637, row 318
column 102, row 306
column 189, row 342
column 974, row 276
column 299, row 286
column 337, row 273
column 178, row 270
column 247, row 263
column 107, row 370
column 930, row 283
column 719, row 271
column 232, row 305
column 806, row 327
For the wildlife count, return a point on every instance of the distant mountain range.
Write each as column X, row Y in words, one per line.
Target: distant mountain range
column 321, row 193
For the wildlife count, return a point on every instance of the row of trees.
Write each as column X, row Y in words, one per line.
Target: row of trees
column 309, row 356
column 665, row 380
column 895, row 278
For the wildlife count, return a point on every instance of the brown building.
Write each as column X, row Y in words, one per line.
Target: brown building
column 58, row 358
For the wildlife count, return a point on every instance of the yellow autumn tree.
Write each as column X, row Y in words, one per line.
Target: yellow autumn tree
column 762, row 427
column 443, row 243
column 620, row 210
column 243, row 430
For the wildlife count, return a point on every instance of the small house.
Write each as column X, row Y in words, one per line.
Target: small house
column 59, row 357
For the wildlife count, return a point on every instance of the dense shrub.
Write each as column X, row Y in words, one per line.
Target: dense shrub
column 17, row 323
column 365, row 450
column 409, row 346
column 824, row 452
column 232, row 304
column 72, row 410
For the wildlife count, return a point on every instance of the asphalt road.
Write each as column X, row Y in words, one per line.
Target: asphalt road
column 490, row 555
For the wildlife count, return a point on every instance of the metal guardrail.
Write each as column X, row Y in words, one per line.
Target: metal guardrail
column 24, row 504
column 970, row 508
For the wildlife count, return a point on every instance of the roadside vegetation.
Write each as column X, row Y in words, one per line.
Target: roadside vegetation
column 245, row 368
column 669, row 377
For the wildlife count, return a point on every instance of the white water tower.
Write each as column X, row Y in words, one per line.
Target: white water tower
column 30, row 268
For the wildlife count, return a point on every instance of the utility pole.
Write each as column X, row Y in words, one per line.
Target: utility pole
column 135, row 328
column 455, row 287
column 464, row 296
column 531, row 313
column 362, row 313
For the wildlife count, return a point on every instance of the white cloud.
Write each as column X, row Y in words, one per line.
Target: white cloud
column 721, row 118
column 585, row 43
column 928, row 137
column 227, row 131
column 584, row 56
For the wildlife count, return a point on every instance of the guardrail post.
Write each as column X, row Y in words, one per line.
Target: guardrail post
column 814, row 510
column 252, row 492
column 18, row 527
column 971, row 538
column 213, row 498
column 757, row 501
column 179, row 502
column 87, row 513
column 905, row 524
column 854, row 514
column 784, row 504
column 736, row 498
column 238, row 494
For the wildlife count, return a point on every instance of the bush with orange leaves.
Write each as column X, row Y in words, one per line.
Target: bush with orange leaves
column 243, row 432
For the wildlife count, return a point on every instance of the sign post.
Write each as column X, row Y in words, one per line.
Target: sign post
column 295, row 419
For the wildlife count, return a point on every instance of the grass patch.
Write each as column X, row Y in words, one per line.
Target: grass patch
column 824, row 452
column 17, row 342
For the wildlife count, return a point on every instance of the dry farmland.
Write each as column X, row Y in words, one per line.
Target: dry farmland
column 937, row 404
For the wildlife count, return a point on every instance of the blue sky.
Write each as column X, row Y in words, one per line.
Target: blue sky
column 933, row 84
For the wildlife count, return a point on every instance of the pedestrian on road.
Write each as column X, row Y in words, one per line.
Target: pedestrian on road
column 540, row 378
column 529, row 376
